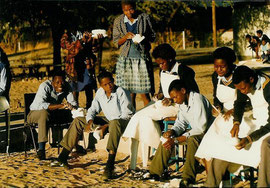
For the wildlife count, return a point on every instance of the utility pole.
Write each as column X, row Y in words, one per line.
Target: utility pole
column 214, row 23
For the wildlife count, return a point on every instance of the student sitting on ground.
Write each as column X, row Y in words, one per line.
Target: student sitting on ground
column 256, row 87
column 115, row 102
column 48, row 106
column 193, row 120
column 143, row 126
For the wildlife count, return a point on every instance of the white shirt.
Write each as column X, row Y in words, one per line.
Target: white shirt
column 117, row 106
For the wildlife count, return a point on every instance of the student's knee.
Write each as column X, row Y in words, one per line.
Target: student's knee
column 114, row 125
column 44, row 114
column 192, row 140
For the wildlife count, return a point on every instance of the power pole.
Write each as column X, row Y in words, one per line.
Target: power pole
column 214, row 23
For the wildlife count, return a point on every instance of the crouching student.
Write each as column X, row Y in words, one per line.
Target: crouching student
column 115, row 102
column 193, row 120
column 48, row 107
column 252, row 148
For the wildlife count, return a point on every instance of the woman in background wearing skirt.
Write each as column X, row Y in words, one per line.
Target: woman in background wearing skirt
column 134, row 70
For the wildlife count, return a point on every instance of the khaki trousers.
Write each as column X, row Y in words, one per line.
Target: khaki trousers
column 264, row 169
column 43, row 117
column 116, row 129
column 162, row 156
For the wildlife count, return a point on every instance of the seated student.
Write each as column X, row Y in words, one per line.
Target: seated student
column 48, row 106
column 193, row 120
column 251, row 45
column 256, row 87
column 143, row 126
column 217, row 141
column 116, row 104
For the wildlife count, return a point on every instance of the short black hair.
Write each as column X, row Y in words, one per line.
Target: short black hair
column 243, row 73
column 226, row 54
column 259, row 31
column 248, row 36
column 265, row 38
column 128, row 2
column 105, row 74
column 177, row 85
column 164, row 51
column 58, row 73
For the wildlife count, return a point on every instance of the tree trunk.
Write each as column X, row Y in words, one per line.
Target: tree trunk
column 56, row 35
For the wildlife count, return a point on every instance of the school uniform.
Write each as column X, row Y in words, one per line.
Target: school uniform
column 193, row 120
column 117, row 109
column 251, row 154
column 134, row 69
column 39, row 113
column 143, row 126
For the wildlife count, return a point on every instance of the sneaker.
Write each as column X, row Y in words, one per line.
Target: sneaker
column 108, row 174
column 41, row 155
column 80, row 150
column 58, row 163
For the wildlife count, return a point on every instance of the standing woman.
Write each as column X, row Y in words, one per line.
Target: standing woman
column 134, row 70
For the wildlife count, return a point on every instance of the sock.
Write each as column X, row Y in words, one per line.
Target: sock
column 41, row 145
column 63, row 157
column 110, row 162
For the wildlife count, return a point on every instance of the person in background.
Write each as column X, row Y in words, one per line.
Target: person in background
column 80, row 63
column 116, row 105
column 260, row 35
column 48, row 107
column 265, row 50
column 5, row 75
column 134, row 69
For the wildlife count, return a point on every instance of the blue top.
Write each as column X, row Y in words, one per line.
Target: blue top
column 197, row 115
column 133, row 51
column 47, row 95
column 117, row 106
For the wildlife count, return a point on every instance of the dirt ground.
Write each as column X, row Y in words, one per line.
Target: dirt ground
column 18, row 171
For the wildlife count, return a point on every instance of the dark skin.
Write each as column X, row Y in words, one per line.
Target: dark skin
column 221, row 68
column 165, row 65
column 58, row 83
column 130, row 12
column 108, row 85
column 178, row 97
column 245, row 88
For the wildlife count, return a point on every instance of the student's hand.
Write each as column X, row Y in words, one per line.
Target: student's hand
column 88, row 127
column 235, row 130
column 167, row 102
column 228, row 114
column 129, row 35
column 216, row 112
column 158, row 96
column 242, row 144
column 168, row 134
column 103, row 129
column 169, row 144
column 181, row 139
column 87, row 37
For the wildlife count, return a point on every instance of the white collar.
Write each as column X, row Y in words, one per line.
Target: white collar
column 260, row 82
column 174, row 69
column 126, row 20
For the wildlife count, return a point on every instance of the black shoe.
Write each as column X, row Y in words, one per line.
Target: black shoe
column 41, row 155
column 108, row 173
column 80, row 150
column 184, row 183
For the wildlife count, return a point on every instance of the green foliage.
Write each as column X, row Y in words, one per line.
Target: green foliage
column 164, row 11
